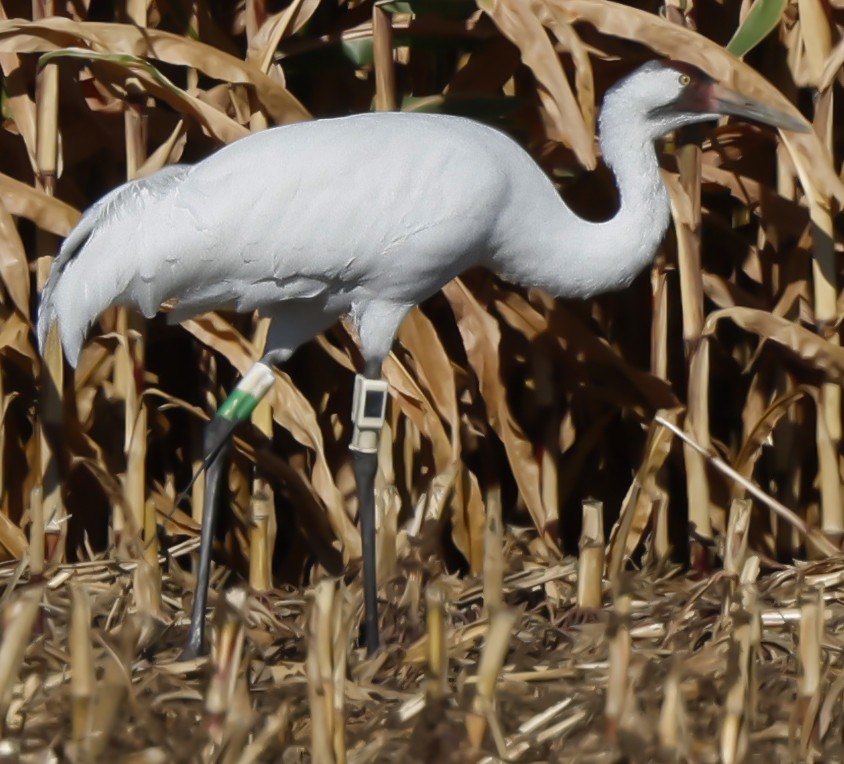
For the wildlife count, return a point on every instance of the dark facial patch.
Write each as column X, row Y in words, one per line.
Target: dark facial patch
column 694, row 97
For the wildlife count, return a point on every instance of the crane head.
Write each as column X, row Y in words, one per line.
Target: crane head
column 670, row 94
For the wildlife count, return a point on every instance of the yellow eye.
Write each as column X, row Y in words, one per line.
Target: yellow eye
column 685, row 80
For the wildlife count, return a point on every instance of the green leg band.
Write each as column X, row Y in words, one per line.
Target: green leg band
column 246, row 396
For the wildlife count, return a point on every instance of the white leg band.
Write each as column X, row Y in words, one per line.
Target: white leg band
column 369, row 408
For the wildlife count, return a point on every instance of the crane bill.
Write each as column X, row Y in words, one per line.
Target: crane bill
column 726, row 101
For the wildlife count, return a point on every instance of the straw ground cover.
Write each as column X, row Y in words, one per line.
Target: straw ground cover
column 696, row 416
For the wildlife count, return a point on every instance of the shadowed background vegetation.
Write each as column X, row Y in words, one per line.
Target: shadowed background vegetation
column 504, row 402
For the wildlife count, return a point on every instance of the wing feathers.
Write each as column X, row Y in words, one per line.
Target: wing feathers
column 98, row 259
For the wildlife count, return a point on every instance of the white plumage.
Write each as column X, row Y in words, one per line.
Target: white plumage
column 369, row 214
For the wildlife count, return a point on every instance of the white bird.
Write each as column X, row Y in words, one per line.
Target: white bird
column 368, row 215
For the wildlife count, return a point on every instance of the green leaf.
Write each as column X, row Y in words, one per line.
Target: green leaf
column 758, row 24
column 5, row 110
column 359, row 52
column 447, row 8
column 123, row 60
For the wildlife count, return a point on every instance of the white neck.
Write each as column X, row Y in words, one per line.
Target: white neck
column 572, row 257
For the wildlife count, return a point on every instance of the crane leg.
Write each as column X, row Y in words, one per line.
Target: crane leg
column 216, row 446
column 368, row 410
column 368, row 417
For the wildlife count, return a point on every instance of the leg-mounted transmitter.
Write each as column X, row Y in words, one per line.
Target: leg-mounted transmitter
column 369, row 408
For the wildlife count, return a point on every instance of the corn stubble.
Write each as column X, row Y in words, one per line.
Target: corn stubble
column 697, row 414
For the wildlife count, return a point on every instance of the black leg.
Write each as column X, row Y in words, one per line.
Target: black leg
column 368, row 418
column 365, row 465
column 216, row 445
column 368, row 411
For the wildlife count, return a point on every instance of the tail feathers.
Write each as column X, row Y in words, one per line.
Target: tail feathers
column 72, row 245
column 88, row 274
column 68, row 301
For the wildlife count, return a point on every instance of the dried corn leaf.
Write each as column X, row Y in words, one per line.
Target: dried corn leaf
column 145, row 75
column 14, row 268
column 808, row 346
column 21, row 36
column 520, row 22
